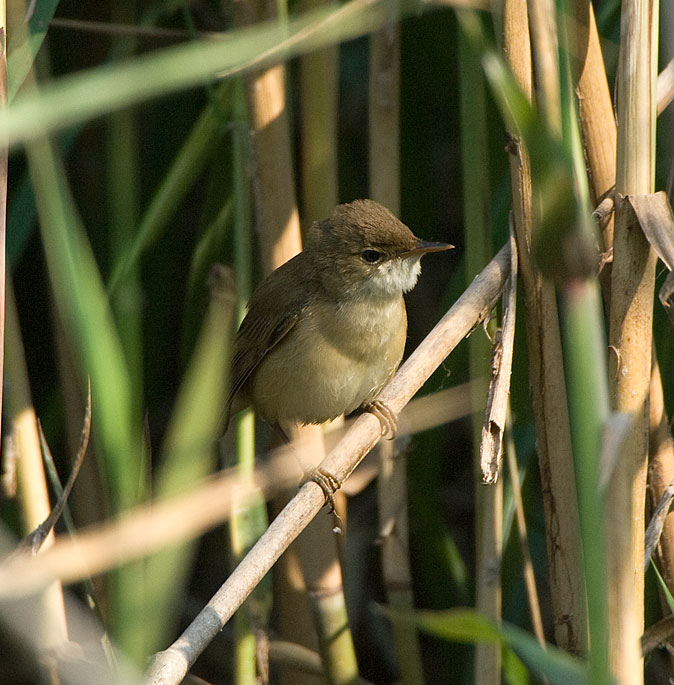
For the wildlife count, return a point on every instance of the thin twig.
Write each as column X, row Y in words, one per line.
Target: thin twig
column 657, row 634
column 470, row 309
column 665, row 87
column 604, row 210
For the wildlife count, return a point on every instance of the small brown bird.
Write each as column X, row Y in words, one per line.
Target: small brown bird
column 326, row 330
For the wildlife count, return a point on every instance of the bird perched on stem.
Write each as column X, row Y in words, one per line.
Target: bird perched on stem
column 326, row 330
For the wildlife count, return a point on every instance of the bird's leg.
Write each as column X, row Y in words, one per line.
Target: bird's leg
column 328, row 483
column 387, row 417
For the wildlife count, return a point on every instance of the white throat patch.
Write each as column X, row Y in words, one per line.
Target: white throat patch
column 395, row 276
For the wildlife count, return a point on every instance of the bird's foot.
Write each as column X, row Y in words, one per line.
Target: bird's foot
column 329, row 484
column 387, row 417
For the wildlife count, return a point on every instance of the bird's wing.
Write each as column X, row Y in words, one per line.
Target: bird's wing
column 271, row 316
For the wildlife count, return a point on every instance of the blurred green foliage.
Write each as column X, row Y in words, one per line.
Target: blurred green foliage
column 157, row 387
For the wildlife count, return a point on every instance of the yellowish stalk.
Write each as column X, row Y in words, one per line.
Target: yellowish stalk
column 630, row 338
column 546, row 371
column 31, row 480
column 278, row 222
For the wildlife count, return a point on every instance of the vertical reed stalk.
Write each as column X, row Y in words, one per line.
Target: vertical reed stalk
column 384, row 116
column 323, row 579
column 546, row 376
column 630, row 336
column 276, row 212
column 278, row 223
column 273, row 181
column 3, row 187
column 319, row 76
column 32, row 484
column 489, row 498
column 276, row 216
column 320, row 563
column 546, row 60
column 384, row 180
column 595, row 108
column 584, row 353
column 588, row 410
column 248, row 523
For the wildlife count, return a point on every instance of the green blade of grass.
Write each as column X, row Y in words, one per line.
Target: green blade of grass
column 663, row 587
column 80, row 296
column 103, row 89
column 584, row 344
column 189, row 453
column 466, row 625
column 23, row 48
column 186, row 166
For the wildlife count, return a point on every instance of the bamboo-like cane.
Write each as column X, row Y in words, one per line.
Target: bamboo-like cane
column 3, row 185
column 32, row 483
column 317, row 549
column 278, row 223
column 547, row 378
column 595, row 109
column 630, row 338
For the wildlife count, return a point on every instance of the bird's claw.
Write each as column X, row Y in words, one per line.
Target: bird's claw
column 387, row 418
column 328, row 483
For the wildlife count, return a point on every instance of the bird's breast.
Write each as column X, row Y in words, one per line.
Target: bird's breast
column 364, row 329
column 336, row 358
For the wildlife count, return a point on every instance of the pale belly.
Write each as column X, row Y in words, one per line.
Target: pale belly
column 330, row 365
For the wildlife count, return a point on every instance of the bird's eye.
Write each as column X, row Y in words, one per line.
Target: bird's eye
column 371, row 256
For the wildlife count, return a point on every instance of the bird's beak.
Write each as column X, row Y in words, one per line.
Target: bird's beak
column 423, row 246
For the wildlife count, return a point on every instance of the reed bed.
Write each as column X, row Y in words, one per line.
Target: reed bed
column 163, row 157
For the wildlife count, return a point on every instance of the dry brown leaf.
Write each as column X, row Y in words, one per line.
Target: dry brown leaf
column 654, row 214
column 491, row 446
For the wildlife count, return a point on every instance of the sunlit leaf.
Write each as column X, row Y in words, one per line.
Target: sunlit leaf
column 467, row 625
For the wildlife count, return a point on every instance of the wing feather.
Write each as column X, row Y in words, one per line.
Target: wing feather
column 272, row 314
